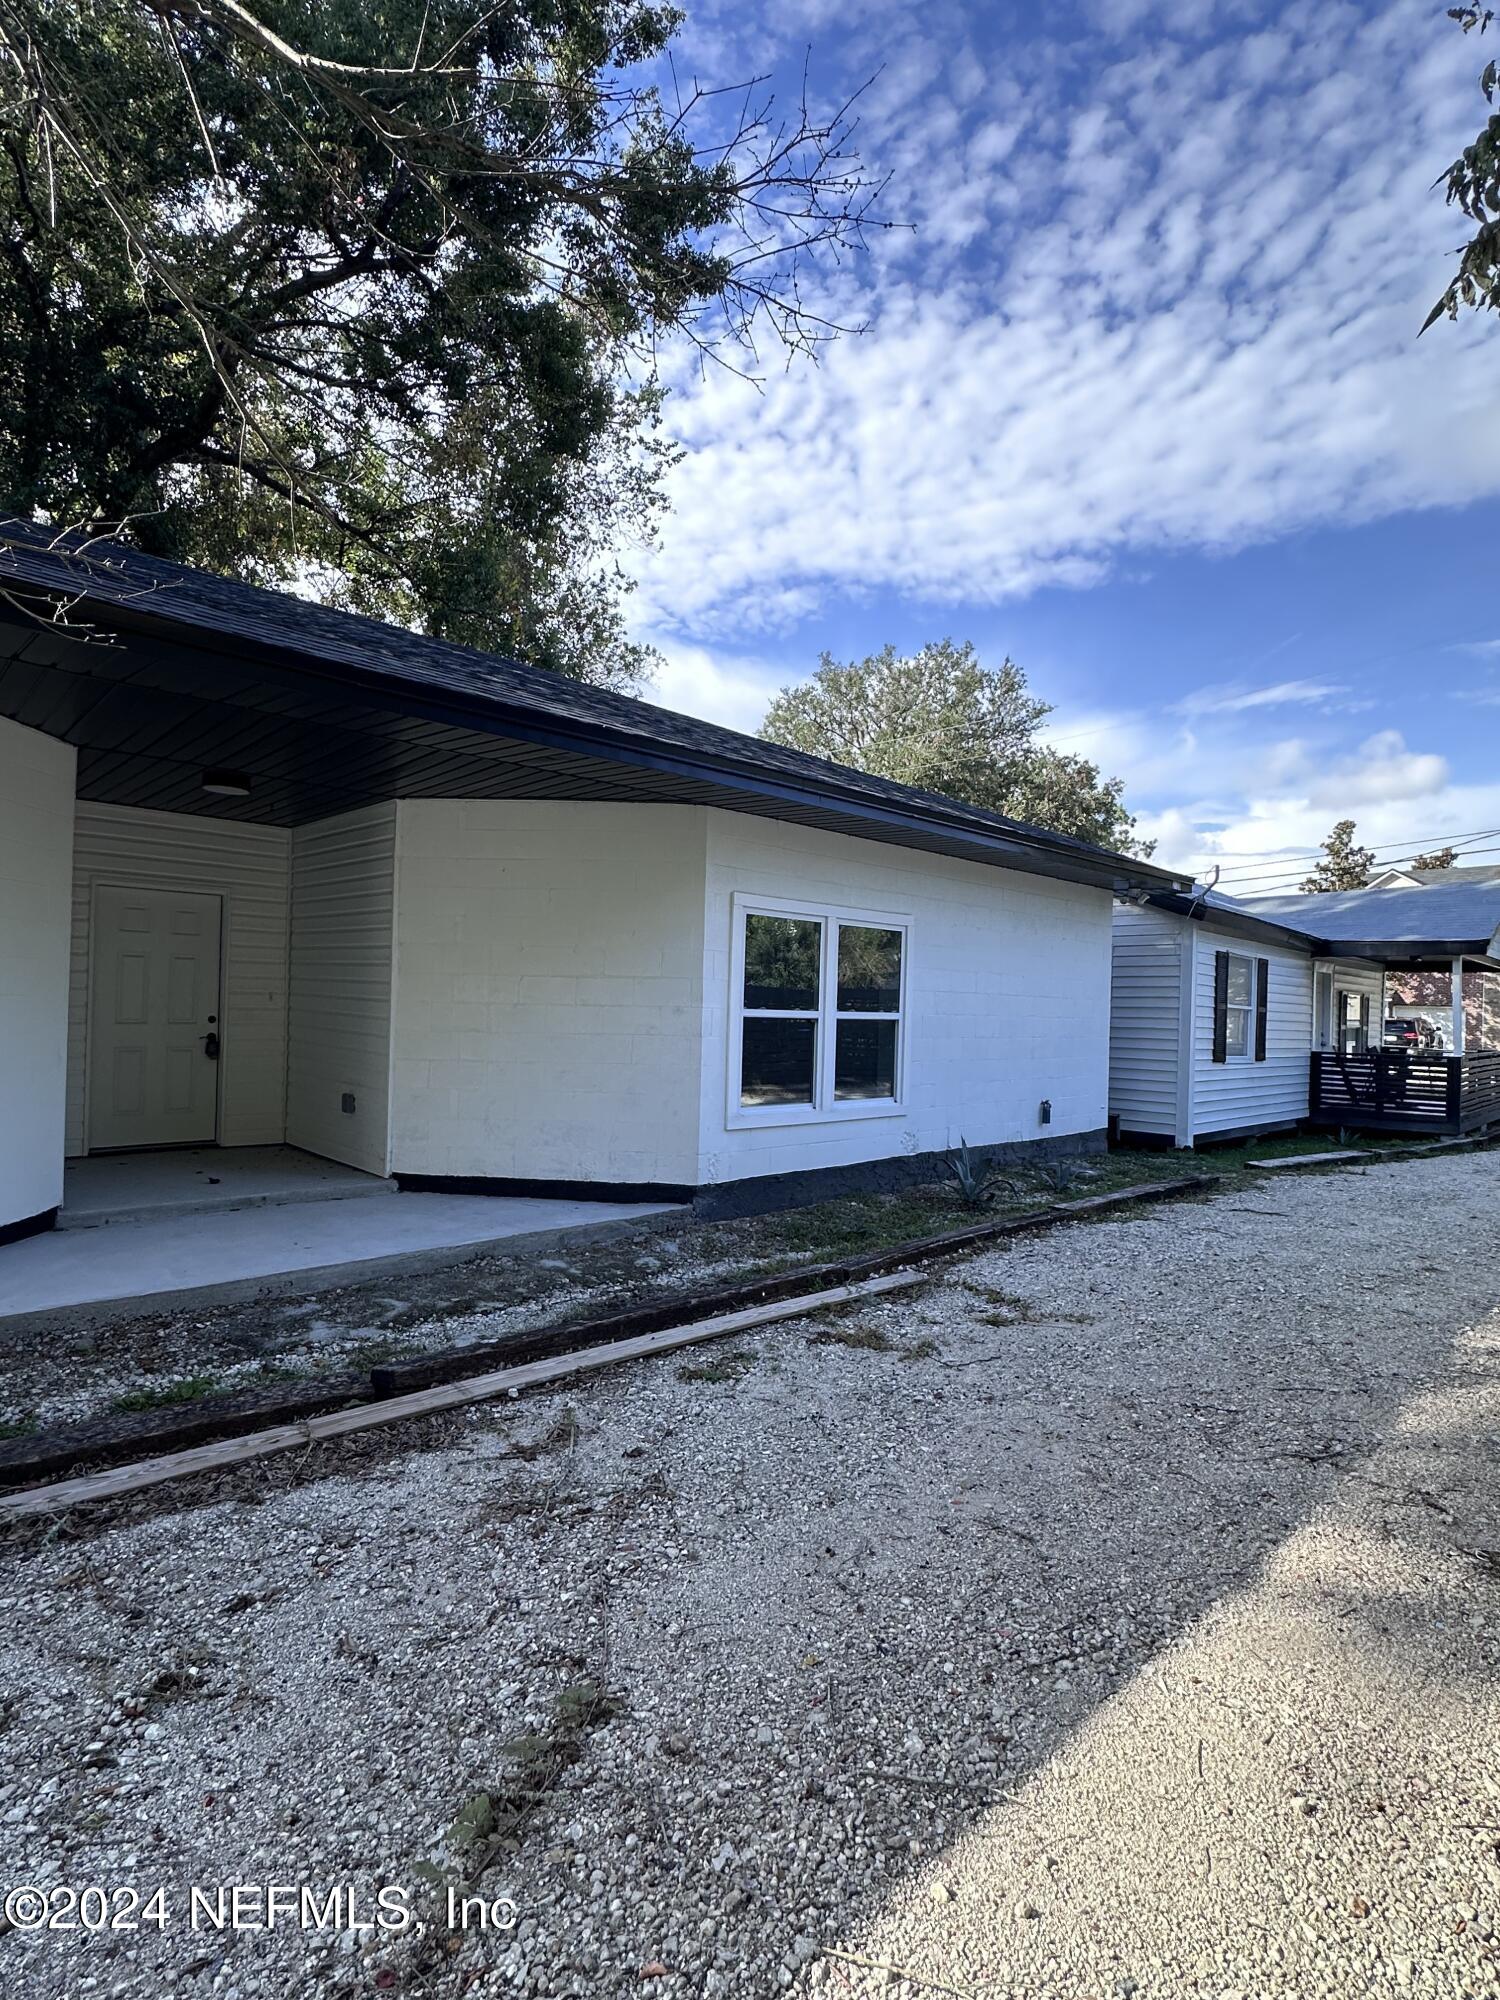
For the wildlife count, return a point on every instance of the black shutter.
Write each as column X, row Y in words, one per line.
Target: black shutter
column 1262, row 995
column 1364, row 1022
column 1221, row 1006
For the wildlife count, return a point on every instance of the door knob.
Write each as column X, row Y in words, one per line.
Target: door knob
column 211, row 1046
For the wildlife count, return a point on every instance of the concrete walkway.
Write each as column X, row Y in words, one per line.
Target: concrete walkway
column 88, row 1275
column 191, row 1180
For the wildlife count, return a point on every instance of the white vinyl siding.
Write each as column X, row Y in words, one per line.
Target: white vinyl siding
column 339, row 1012
column 1145, row 1020
column 1359, row 977
column 1231, row 1096
column 248, row 867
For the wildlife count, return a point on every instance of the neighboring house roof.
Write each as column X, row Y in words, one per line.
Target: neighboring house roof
column 342, row 710
column 1419, row 878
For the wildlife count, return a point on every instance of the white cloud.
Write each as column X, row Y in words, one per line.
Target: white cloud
column 1291, row 793
column 719, row 687
column 1383, row 771
column 1181, row 312
column 1235, row 700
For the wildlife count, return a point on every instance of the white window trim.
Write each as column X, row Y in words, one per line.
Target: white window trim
column 825, row 1109
column 1247, row 1053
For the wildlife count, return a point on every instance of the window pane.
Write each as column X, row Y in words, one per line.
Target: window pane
column 1239, row 982
column 781, row 962
column 864, row 1059
column 776, row 1062
column 1236, row 1031
column 869, row 970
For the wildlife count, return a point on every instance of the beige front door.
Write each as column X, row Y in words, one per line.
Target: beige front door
column 154, row 1018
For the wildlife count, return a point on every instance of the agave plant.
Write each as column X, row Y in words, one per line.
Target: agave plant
column 976, row 1187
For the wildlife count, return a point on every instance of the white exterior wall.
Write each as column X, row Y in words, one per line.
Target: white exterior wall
column 1230, row 1095
column 339, row 1006
column 1147, row 1084
column 248, row 866
column 1358, row 975
column 549, row 966
column 1007, row 997
column 37, row 779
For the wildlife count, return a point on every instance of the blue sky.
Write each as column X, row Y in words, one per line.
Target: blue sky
column 1140, row 401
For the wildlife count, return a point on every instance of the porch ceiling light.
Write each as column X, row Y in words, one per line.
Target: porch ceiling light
column 226, row 784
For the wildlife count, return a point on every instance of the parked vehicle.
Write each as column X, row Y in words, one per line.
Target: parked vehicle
column 1404, row 1035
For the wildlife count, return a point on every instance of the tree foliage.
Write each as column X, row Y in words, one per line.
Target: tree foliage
column 942, row 721
column 353, row 290
column 1473, row 187
column 1344, row 865
column 1440, row 857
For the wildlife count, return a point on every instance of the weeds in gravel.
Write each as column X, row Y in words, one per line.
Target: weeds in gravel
column 490, row 1823
column 560, row 1435
column 18, row 1427
column 722, row 1368
column 187, row 1389
column 924, row 1350
column 853, row 1333
column 278, row 1371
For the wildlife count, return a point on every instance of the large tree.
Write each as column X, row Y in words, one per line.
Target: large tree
column 941, row 720
column 1345, row 865
column 1473, row 187
column 363, row 292
column 1439, row 858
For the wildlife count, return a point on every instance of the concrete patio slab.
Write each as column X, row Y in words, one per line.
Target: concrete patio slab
column 85, row 1276
column 190, row 1180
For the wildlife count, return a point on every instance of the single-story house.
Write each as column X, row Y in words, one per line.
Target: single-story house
column 1233, row 1018
column 1422, row 878
column 270, row 872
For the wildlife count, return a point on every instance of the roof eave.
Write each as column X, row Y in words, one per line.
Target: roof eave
column 1056, row 857
column 1260, row 929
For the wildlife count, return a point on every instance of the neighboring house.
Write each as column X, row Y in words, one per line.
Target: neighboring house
column 271, row 872
column 1230, row 1019
column 1420, row 878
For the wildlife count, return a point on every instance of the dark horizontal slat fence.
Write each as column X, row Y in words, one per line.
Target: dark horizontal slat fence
column 1391, row 1091
column 1479, row 1093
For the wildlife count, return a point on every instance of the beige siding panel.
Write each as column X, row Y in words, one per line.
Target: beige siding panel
column 1241, row 1092
column 339, row 1023
column 248, row 867
column 1145, row 1019
column 36, row 843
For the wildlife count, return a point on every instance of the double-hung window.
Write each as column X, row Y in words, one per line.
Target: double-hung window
column 1239, row 1000
column 817, row 1015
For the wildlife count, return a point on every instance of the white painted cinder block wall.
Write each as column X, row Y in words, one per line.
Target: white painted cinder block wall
column 549, row 968
column 37, row 781
column 1007, row 997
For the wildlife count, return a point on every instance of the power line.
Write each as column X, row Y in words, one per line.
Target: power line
column 1272, row 858
column 1270, row 886
column 1272, row 855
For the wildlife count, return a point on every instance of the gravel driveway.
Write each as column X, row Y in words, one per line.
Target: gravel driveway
column 1118, row 1613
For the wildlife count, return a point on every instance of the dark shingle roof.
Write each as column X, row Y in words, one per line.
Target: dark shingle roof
column 1442, row 875
column 113, row 581
column 1463, row 912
